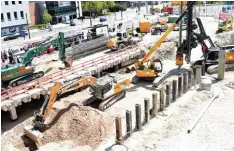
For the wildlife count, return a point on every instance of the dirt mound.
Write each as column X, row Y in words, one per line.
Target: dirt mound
column 83, row 125
column 224, row 38
column 13, row 138
column 167, row 51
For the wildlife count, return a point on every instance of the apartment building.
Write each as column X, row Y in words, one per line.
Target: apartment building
column 13, row 17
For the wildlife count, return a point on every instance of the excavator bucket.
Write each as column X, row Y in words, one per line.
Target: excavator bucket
column 33, row 134
column 68, row 62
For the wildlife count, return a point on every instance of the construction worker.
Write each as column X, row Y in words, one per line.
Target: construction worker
column 51, row 49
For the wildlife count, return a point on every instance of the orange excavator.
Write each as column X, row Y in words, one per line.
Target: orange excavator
column 108, row 89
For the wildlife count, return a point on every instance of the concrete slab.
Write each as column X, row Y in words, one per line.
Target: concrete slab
column 35, row 93
column 5, row 105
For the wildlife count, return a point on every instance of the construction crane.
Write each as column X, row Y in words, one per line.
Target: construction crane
column 150, row 71
column 108, row 89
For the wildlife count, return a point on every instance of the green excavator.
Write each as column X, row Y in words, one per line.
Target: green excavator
column 69, row 45
column 21, row 71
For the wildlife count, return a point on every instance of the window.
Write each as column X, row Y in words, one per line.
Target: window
column 22, row 14
column 15, row 15
column 2, row 17
column 9, row 16
column 20, row 2
column 6, row 2
column 13, row 2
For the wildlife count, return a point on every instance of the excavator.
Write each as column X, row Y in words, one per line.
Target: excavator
column 108, row 89
column 21, row 71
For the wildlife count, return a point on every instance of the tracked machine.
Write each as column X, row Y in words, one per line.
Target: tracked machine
column 108, row 89
column 34, row 131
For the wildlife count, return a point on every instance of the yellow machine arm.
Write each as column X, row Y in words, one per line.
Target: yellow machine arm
column 53, row 96
column 164, row 36
column 56, row 90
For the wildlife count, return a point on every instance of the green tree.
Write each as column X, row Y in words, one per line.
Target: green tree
column 108, row 5
column 92, row 7
column 47, row 18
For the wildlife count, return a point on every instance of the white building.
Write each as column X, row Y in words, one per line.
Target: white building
column 13, row 17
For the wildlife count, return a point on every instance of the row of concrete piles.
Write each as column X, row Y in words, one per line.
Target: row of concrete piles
column 167, row 95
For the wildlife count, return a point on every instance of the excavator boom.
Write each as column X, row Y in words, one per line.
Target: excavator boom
column 164, row 36
column 34, row 131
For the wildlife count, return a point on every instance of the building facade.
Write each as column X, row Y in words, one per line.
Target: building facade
column 61, row 10
column 13, row 17
column 34, row 13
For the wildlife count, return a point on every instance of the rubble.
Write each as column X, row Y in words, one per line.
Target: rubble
column 224, row 38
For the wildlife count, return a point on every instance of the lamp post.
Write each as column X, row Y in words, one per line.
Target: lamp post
column 27, row 25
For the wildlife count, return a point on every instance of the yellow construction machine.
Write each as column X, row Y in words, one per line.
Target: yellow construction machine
column 225, row 25
column 33, row 131
column 107, row 89
column 122, row 40
column 147, row 67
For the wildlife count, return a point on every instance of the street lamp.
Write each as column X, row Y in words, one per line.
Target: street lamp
column 27, row 25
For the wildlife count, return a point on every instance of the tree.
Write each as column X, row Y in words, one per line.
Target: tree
column 47, row 18
column 108, row 4
column 92, row 7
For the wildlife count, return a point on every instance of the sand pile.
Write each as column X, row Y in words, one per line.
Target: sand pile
column 83, row 125
column 167, row 51
column 13, row 138
column 80, row 126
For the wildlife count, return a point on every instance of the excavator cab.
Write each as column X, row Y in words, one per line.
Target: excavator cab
column 109, row 89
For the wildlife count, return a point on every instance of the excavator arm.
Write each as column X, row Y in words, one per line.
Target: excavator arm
column 164, row 36
column 55, row 91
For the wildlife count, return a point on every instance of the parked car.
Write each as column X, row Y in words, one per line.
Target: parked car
column 14, row 36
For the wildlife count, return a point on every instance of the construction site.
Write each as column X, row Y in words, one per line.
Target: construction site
column 164, row 82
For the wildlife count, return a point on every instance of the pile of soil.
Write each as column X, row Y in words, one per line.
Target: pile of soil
column 79, row 125
column 224, row 38
column 13, row 138
column 83, row 125
column 167, row 51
